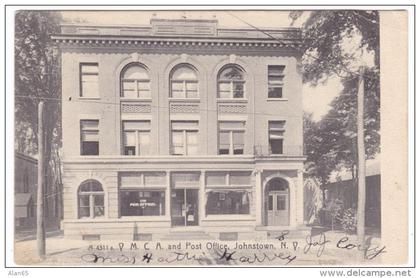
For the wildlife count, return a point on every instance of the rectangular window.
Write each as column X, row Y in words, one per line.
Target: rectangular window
column 184, row 138
column 89, row 137
column 231, row 137
column 142, row 202
column 228, row 179
column 275, row 81
column 184, row 89
column 231, row 89
column 228, row 202
column 136, row 137
column 276, row 131
column 89, row 80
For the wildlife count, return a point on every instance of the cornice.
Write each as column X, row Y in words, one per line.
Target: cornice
column 166, row 42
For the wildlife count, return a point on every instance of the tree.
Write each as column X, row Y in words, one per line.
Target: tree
column 37, row 77
column 326, row 35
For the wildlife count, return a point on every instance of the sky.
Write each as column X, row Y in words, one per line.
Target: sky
column 316, row 100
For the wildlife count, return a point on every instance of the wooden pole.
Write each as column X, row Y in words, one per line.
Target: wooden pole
column 40, row 231
column 361, row 179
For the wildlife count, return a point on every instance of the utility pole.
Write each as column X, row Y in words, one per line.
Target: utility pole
column 40, row 231
column 361, row 179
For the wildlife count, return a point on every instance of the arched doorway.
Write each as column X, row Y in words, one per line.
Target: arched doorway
column 277, row 203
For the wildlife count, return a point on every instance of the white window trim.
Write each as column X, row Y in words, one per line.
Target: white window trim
column 184, row 138
column 231, row 92
column 231, row 147
column 136, row 132
column 184, row 89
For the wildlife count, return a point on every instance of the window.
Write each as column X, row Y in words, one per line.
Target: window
column 142, row 193
column 184, row 138
column 89, row 137
column 89, row 80
column 226, row 193
column 91, row 199
column 135, row 82
column 275, row 136
column 231, row 83
column 135, row 202
column 275, row 81
column 231, row 137
column 136, row 137
column 227, row 202
column 184, row 82
column 236, row 178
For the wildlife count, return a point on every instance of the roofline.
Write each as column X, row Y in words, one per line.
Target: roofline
column 78, row 24
column 26, row 157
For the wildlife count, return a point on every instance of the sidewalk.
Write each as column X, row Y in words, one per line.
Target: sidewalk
column 65, row 252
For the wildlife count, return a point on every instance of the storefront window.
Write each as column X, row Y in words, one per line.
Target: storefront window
column 227, row 202
column 142, row 202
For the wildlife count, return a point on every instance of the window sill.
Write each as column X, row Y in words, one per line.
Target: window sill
column 171, row 99
column 89, row 98
column 277, row 99
column 235, row 100
column 135, row 99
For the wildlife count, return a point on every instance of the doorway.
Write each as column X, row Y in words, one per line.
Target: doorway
column 277, row 203
column 184, row 207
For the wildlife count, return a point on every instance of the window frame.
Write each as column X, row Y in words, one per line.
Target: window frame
column 91, row 194
column 282, row 137
column 231, row 132
column 280, row 84
column 137, row 132
column 81, row 74
column 185, row 132
column 184, row 82
column 138, row 190
column 231, row 83
column 135, row 81
column 82, row 153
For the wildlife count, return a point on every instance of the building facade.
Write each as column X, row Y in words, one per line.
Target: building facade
column 26, row 184
column 180, row 125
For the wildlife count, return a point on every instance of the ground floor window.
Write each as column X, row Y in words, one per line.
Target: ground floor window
column 91, row 199
column 142, row 202
column 228, row 202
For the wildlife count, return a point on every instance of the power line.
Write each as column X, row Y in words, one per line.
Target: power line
column 153, row 106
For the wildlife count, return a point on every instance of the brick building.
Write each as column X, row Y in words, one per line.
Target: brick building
column 180, row 125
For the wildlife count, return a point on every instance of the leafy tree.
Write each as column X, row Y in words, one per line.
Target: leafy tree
column 37, row 77
column 327, row 35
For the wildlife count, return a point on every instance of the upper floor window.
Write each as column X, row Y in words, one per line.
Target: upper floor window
column 184, row 137
column 135, row 82
column 89, row 137
column 91, row 199
column 231, row 82
column 231, row 137
column 89, row 81
column 275, row 136
column 275, row 81
column 184, row 82
column 136, row 137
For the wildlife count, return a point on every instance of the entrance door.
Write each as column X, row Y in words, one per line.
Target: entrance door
column 278, row 209
column 184, row 207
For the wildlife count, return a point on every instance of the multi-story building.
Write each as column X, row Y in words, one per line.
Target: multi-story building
column 181, row 125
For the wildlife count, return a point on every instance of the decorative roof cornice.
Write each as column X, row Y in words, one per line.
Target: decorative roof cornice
column 102, row 41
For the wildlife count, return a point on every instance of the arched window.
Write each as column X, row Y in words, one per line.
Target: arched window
column 184, row 82
column 230, row 82
column 91, row 199
column 135, row 82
